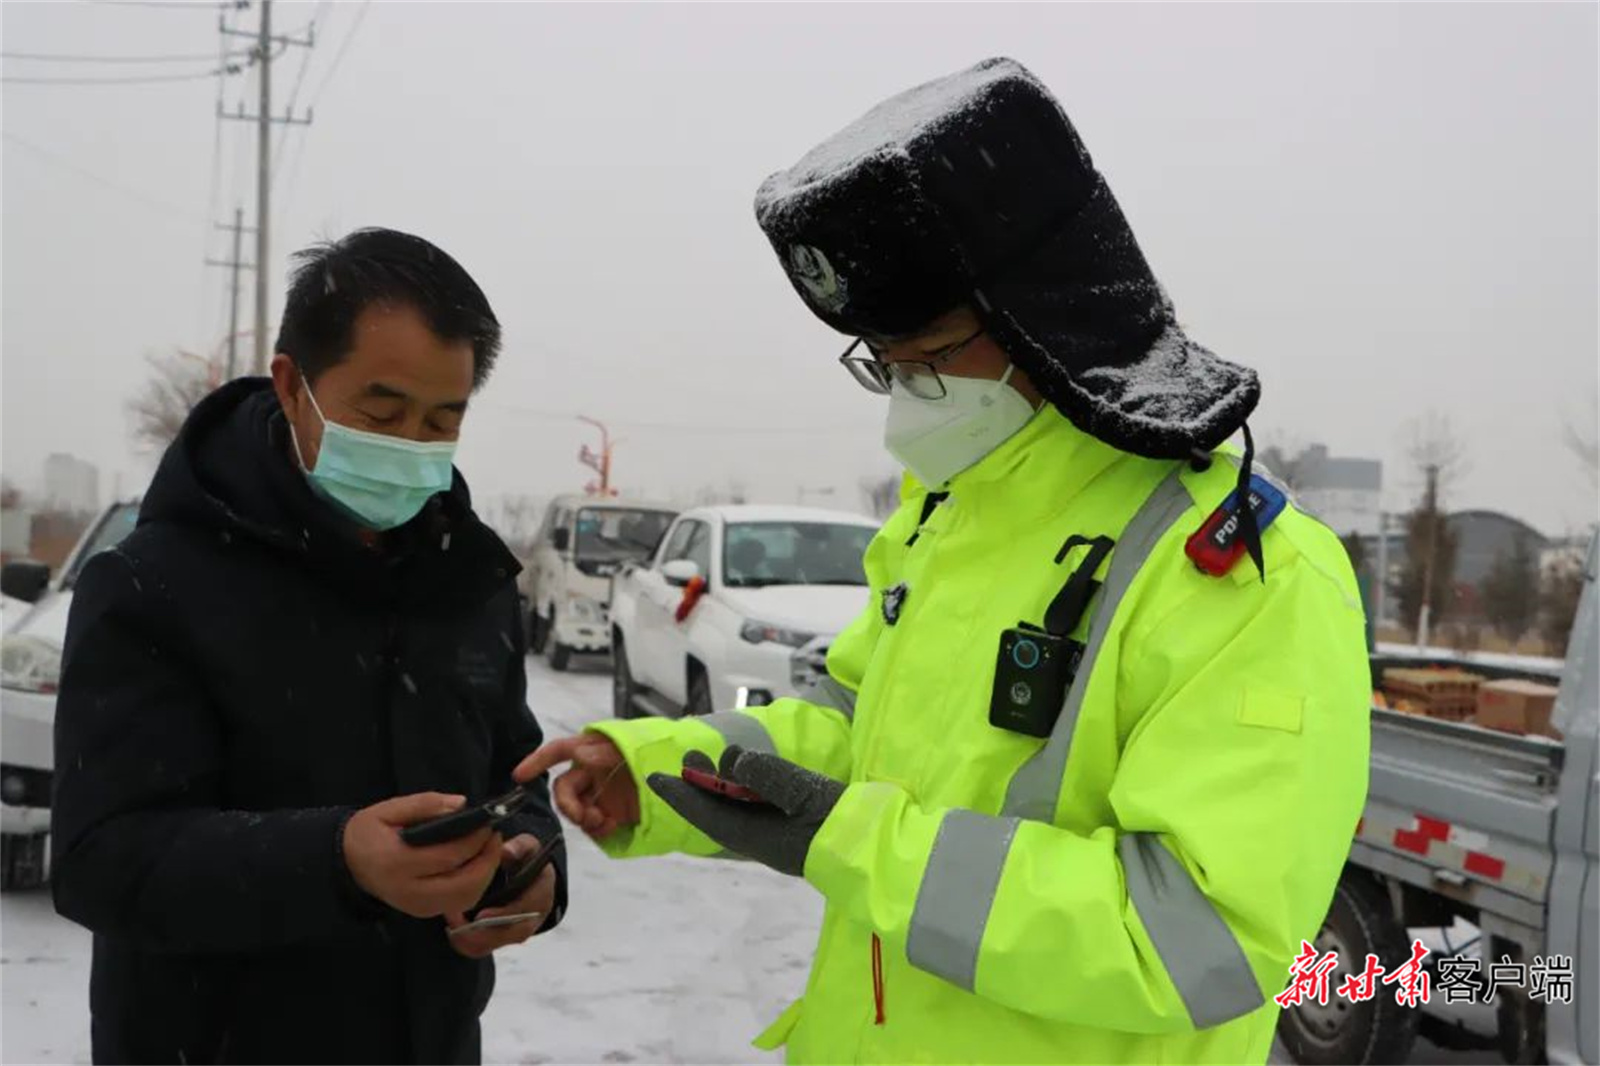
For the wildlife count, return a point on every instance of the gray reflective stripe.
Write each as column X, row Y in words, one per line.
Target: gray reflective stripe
column 829, row 693
column 956, row 894
column 1199, row 951
column 1035, row 786
column 741, row 729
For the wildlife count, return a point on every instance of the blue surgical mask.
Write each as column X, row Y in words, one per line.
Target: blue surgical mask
column 379, row 481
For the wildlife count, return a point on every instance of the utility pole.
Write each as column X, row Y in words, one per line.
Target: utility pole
column 263, row 184
column 234, row 265
column 1431, row 510
column 264, row 121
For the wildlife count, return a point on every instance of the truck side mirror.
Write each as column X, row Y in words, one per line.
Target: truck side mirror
column 560, row 539
column 24, row 580
column 680, row 572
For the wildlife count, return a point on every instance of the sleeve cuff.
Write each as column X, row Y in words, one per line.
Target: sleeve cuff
column 354, row 897
column 651, row 746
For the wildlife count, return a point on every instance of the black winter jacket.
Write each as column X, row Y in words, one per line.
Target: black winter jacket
column 241, row 675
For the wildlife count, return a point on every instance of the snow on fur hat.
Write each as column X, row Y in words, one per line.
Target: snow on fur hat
column 975, row 189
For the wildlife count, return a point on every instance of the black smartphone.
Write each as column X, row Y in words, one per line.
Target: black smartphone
column 508, row 884
column 468, row 819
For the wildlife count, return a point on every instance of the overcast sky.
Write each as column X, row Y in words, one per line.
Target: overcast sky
column 1385, row 209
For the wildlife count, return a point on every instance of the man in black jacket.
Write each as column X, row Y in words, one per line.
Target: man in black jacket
column 308, row 642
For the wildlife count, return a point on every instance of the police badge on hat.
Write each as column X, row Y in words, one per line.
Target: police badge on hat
column 821, row 282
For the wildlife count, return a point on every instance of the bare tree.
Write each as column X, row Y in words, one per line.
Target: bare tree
column 1510, row 593
column 517, row 519
column 1288, row 459
column 882, row 493
column 1558, row 608
column 1435, row 444
column 1583, row 441
column 177, row 382
column 1427, row 584
column 1356, row 548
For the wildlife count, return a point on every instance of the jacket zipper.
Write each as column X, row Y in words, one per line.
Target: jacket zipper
column 390, row 678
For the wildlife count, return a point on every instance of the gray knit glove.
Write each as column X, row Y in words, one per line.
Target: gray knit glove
column 778, row 832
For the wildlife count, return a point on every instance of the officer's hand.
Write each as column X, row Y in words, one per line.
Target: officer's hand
column 598, row 795
column 539, row 899
column 422, row 882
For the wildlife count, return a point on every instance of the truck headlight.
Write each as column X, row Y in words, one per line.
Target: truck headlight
column 29, row 664
column 762, row 633
column 586, row 611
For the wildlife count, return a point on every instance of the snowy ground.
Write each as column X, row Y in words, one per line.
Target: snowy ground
column 660, row 960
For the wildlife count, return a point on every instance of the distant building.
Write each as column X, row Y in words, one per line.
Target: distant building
column 16, row 533
column 1483, row 536
column 70, row 484
column 1347, row 494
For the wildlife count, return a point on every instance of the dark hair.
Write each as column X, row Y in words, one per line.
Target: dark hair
column 334, row 282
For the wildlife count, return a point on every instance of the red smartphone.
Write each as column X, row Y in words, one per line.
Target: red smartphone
column 709, row 782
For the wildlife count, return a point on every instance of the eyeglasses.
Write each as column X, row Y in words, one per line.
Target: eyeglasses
column 919, row 377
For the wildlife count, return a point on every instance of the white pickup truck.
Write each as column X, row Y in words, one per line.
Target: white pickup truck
column 736, row 608
column 1497, row 831
column 30, row 670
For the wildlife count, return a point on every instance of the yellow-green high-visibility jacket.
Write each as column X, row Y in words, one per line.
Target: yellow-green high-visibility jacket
column 1135, row 887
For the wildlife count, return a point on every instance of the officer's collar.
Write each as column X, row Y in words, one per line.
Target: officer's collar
column 1037, row 471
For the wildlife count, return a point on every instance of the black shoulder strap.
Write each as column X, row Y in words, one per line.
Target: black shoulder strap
column 1066, row 610
column 930, row 503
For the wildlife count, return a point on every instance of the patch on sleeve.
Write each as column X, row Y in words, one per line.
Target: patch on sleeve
column 1271, row 710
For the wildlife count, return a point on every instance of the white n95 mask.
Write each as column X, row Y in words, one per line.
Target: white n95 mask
column 938, row 439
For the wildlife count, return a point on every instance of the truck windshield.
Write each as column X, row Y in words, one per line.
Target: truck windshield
column 758, row 554
column 114, row 526
column 617, row 534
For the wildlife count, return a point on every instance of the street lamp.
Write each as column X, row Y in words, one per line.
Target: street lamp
column 600, row 463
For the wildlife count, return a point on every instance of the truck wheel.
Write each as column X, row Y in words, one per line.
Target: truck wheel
column 560, row 654
column 1380, row 1030
column 699, row 691
column 622, row 686
column 538, row 632
column 22, row 860
column 1520, row 1019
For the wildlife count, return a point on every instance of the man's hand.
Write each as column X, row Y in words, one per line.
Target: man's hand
column 540, row 899
column 598, row 795
column 423, row 882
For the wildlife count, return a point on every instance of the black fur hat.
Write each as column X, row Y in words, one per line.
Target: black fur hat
column 975, row 189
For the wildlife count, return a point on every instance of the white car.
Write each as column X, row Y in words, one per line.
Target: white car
column 737, row 608
column 30, row 670
column 566, row 585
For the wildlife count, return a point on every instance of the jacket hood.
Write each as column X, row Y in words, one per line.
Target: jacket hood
column 231, row 472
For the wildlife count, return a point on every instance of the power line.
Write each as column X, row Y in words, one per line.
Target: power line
column 148, row 79
column 89, row 175
column 294, row 94
column 193, row 5
column 216, row 181
column 344, row 46
column 57, row 57
column 338, row 58
column 253, row 59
